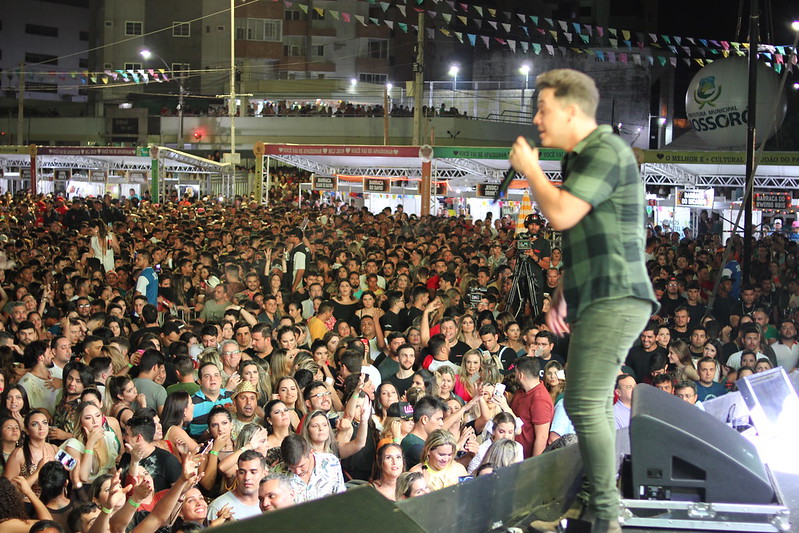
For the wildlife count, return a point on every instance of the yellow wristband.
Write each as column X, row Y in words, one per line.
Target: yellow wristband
column 107, row 511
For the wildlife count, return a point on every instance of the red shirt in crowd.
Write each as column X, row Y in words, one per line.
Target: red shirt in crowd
column 534, row 407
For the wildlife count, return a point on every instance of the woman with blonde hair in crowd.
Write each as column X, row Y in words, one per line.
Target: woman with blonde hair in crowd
column 281, row 365
column 467, row 330
column 444, row 384
column 438, row 463
column 94, row 443
column 680, row 357
column 503, row 452
column 467, row 380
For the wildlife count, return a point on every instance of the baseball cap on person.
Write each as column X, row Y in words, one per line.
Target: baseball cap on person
column 400, row 410
column 795, row 224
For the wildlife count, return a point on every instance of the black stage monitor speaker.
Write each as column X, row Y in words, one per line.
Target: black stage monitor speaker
column 681, row 453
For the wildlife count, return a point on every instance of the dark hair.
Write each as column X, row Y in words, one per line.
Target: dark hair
column 174, row 406
column 142, row 425
column 249, row 455
column 150, row 359
column 11, row 504
column 44, row 525
column 294, row 448
column 32, row 352
column 427, row 406
column 53, row 477
column 217, row 410
column 25, row 403
column 377, row 471
column 74, row 517
column 529, row 366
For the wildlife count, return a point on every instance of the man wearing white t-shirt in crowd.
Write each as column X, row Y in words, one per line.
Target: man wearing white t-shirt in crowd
column 786, row 349
column 62, row 353
column 750, row 335
column 38, row 357
column 242, row 501
column 622, row 409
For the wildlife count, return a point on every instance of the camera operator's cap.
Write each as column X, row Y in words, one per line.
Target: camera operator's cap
column 400, row 410
column 245, row 386
column 535, row 218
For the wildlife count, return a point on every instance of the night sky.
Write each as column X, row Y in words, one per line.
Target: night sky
column 717, row 19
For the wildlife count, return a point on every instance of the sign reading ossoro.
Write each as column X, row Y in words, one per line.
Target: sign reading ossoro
column 772, row 200
column 378, row 185
column 695, row 198
column 324, row 183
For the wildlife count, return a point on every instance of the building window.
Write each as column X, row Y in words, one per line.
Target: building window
column 180, row 70
column 44, row 31
column 132, row 66
column 292, row 14
column 378, row 49
column 373, row 78
column 181, row 29
column 293, row 50
column 133, row 27
column 83, row 62
column 43, row 59
column 315, row 15
column 319, row 50
column 252, row 29
column 83, row 36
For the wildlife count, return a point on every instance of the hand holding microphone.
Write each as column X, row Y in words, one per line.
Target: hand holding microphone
column 522, row 154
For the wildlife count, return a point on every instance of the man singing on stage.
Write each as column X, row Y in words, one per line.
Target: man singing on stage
column 606, row 297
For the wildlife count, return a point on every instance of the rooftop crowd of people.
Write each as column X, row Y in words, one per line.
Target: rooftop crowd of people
column 185, row 364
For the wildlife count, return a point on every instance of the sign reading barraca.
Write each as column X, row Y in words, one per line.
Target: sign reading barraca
column 695, row 198
column 717, row 102
column 324, row 183
column 772, row 200
column 376, row 185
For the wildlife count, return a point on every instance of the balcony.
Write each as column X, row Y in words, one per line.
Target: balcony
column 371, row 65
column 300, row 64
column 259, row 49
column 372, row 31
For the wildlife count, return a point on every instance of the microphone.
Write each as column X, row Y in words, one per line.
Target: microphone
column 507, row 178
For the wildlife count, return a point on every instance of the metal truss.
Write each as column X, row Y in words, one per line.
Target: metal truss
column 475, row 168
column 785, row 183
column 305, row 163
column 667, row 174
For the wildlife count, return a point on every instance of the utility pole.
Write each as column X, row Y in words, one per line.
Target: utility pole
column 21, row 107
column 751, row 136
column 232, row 102
column 418, row 83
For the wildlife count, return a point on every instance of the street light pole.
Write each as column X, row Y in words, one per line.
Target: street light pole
column 453, row 71
column 525, row 69
column 146, row 54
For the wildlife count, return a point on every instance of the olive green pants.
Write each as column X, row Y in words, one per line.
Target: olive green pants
column 600, row 340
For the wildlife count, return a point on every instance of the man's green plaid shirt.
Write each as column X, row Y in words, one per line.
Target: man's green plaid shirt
column 603, row 254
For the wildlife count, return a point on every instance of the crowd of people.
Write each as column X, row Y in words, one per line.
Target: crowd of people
column 285, row 108
column 182, row 365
